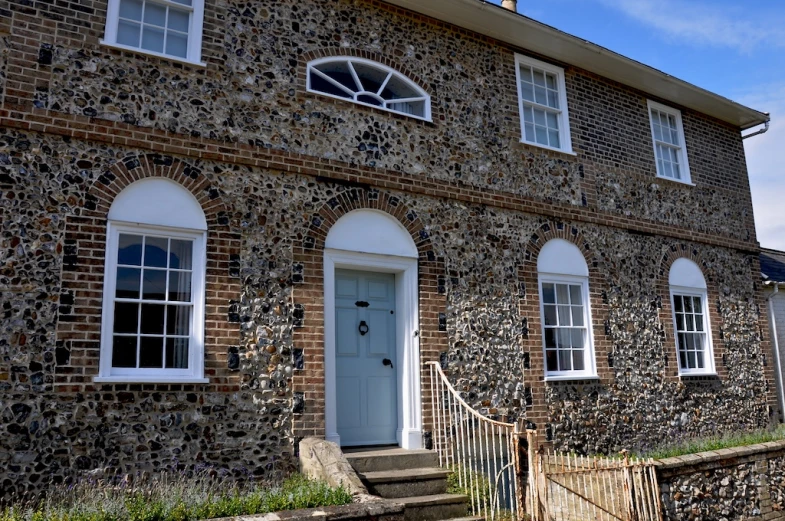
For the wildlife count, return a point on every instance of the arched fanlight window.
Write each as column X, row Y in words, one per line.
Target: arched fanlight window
column 368, row 83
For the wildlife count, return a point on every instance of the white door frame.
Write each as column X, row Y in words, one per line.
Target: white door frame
column 409, row 432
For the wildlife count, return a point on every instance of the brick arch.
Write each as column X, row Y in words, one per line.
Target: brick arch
column 308, row 295
column 359, row 199
column 353, row 52
column 672, row 253
column 537, row 412
column 135, row 167
column 84, row 251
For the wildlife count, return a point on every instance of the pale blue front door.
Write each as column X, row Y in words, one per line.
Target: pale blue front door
column 366, row 364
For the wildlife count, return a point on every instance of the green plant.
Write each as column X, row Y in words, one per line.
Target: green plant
column 175, row 498
column 709, row 443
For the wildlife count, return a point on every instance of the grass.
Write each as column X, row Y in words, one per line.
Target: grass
column 725, row 441
column 175, row 498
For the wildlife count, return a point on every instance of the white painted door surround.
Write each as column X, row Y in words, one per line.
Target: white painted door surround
column 371, row 240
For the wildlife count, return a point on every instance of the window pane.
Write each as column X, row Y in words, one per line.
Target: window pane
column 551, row 360
column 541, row 135
column 153, row 39
column 679, row 322
column 577, row 338
column 577, row 315
column 540, row 96
column 552, row 120
column 124, row 351
column 698, row 322
column 550, row 338
column 539, row 78
column 578, row 360
column 178, row 320
column 319, row 84
column 687, row 304
column 129, row 249
column 526, row 73
column 178, row 20
column 131, row 9
column 530, row 135
column 128, row 33
column 152, row 319
column 151, row 352
column 528, row 114
column 565, row 360
column 527, row 91
column 177, row 44
column 180, row 286
column 177, row 353
column 550, row 81
column 126, row 317
column 539, row 117
column 548, row 293
column 690, row 323
column 576, row 295
column 553, row 138
column 371, row 77
column 677, row 303
column 697, row 305
column 154, row 285
column 691, row 360
column 683, row 359
column 184, row 2
column 564, row 316
column 550, row 315
column 155, row 251
column 128, row 282
column 155, row 14
column 562, row 294
column 553, row 99
column 564, row 337
column 699, row 359
column 396, row 88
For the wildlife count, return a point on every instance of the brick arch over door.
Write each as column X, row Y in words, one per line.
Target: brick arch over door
column 79, row 318
column 537, row 412
column 308, row 382
column 671, row 254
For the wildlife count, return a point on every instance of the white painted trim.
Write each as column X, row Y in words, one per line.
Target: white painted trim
column 158, row 201
column 195, row 371
column 589, row 356
column 389, row 70
column 564, row 115
column 195, row 28
column 409, row 432
column 561, row 257
column 686, row 274
column 685, row 163
column 708, row 356
column 371, row 231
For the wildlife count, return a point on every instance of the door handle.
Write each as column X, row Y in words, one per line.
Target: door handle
column 387, row 361
column 363, row 328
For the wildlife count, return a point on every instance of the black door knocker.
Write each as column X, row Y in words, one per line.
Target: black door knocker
column 363, row 328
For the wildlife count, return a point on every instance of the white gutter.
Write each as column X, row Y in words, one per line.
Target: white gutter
column 759, row 132
column 773, row 332
column 523, row 33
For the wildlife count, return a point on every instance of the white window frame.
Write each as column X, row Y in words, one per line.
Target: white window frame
column 194, row 53
column 195, row 371
column 564, row 115
column 684, row 163
column 426, row 98
column 708, row 354
column 590, row 371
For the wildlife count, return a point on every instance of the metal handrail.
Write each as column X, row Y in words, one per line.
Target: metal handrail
column 482, row 452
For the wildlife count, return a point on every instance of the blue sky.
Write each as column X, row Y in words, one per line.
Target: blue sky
column 733, row 48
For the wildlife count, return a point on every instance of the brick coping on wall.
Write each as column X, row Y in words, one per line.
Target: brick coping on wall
column 703, row 461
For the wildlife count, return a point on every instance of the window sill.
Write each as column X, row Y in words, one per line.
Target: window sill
column 567, row 378
column 698, row 375
column 552, row 149
column 678, row 181
column 136, row 50
column 149, row 380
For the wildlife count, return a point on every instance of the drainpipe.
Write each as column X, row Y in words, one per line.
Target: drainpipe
column 773, row 328
column 759, row 132
column 510, row 5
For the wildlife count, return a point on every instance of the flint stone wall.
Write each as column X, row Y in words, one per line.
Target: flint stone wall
column 253, row 91
column 55, row 433
column 725, row 485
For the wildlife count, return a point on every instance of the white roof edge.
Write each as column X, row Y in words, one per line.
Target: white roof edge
column 520, row 31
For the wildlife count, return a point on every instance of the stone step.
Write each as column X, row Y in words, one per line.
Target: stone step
column 390, row 459
column 407, row 482
column 464, row 519
column 434, row 507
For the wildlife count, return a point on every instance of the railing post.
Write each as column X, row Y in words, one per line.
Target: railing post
column 629, row 500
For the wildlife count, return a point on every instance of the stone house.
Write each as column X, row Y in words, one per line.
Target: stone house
column 228, row 225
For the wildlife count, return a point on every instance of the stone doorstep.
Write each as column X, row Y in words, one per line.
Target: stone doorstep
column 376, row 510
column 397, row 476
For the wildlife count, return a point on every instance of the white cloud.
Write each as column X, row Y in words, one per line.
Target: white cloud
column 703, row 24
column 766, row 164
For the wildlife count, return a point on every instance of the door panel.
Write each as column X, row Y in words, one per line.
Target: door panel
column 366, row 388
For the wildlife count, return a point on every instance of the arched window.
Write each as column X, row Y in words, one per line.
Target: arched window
column 368, row 83
column 153, row 307
column 691, row 318
column 565, row 311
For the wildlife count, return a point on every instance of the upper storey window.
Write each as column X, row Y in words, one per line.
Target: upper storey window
column 167, row 28
column 368, row 83
column 543, row 104
column 669, row 146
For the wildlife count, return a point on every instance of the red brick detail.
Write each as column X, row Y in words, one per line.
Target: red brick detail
column 530, row 308
column 310, row 294
column 79, row 320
